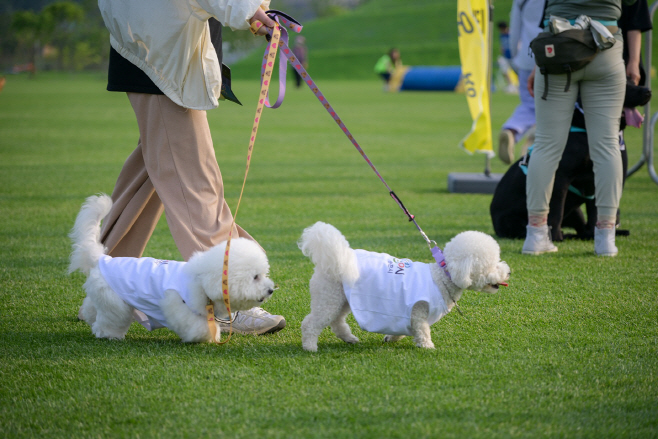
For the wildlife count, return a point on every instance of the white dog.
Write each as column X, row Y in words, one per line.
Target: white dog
column 388, row 295
column 172, row 294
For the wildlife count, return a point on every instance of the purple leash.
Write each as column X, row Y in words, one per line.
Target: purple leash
column 287, row 22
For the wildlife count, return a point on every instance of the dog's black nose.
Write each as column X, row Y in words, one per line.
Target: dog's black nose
column 270, row 291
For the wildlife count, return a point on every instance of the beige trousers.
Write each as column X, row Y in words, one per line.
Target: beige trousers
column 173, row 169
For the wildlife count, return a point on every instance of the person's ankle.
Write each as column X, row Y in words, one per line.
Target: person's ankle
column 605, row 224
column 537, row 220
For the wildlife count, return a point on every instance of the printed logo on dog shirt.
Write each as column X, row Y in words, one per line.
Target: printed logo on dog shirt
column 397, row 266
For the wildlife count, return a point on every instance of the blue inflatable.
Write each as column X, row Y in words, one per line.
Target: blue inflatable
column 439, row 78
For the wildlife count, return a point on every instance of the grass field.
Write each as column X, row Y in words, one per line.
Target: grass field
column 568, row 350
column 348, row 46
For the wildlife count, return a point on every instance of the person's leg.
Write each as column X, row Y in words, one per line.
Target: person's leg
column 523, row 116
column 603, row 96
column 135, row 210
column 553, row 121
column 180, row 161
column 603, row 91
column 521, row 120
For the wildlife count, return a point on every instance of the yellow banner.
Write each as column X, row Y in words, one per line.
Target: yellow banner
column 475, row 54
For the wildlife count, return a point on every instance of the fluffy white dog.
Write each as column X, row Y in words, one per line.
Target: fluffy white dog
column 388, row 295
column 170, row 293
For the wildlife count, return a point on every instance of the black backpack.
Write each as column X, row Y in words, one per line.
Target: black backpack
column 565, row 52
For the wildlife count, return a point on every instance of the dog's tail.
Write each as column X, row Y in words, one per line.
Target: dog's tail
column 87, row 248
column 330, row 252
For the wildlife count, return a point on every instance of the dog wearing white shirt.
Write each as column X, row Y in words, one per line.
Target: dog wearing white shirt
column 391, row 296
column 171, row 294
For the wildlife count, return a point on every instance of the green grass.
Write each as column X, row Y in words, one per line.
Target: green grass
column 568, row 350
column 348, row 46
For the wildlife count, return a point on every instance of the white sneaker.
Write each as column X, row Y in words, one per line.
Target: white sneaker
column 506, row 144
column 254, row 321
column 538, row 241
column 604, row 242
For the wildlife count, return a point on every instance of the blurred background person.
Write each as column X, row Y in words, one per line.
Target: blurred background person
column 387, row 64
column 301, row 53
column 525, row 18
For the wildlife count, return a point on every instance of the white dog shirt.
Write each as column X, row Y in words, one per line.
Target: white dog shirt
column 141, row 283
column 387, row 289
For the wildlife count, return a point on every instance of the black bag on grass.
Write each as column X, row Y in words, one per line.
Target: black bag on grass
column 565, row 52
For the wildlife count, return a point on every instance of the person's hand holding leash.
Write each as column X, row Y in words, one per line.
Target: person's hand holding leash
column 260, row 22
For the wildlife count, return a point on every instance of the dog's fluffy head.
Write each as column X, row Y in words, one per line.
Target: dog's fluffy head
column 248, row 269
column 473, row 260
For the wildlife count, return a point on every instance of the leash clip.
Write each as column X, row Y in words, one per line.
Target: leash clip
column 440, row 259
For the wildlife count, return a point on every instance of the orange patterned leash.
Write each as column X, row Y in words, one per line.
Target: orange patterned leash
column 265, row 83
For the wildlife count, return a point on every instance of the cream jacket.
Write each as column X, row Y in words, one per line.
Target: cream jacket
column 170, row 41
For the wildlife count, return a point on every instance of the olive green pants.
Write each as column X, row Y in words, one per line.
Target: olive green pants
column 602, row 87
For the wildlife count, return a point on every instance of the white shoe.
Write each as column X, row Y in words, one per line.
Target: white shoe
column 604, row 242
column 512, row 89
column 254, row 321
column 538, row 241
column 506, row 144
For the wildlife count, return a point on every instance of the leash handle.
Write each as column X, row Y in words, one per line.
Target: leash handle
column 285, row 22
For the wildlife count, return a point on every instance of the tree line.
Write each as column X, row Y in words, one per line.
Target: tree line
column 63, row 35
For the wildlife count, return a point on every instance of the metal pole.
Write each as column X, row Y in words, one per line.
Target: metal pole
column 487, row 159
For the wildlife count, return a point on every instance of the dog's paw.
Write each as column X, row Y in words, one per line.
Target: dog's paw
column 350, row 339
column 393, row 338
column 426, row 345
column 311, row 347
column 110, row 335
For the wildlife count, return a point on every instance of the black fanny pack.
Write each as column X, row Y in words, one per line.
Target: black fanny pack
column 561, row 53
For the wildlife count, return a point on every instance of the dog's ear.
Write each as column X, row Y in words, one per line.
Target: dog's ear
column 460, row 273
